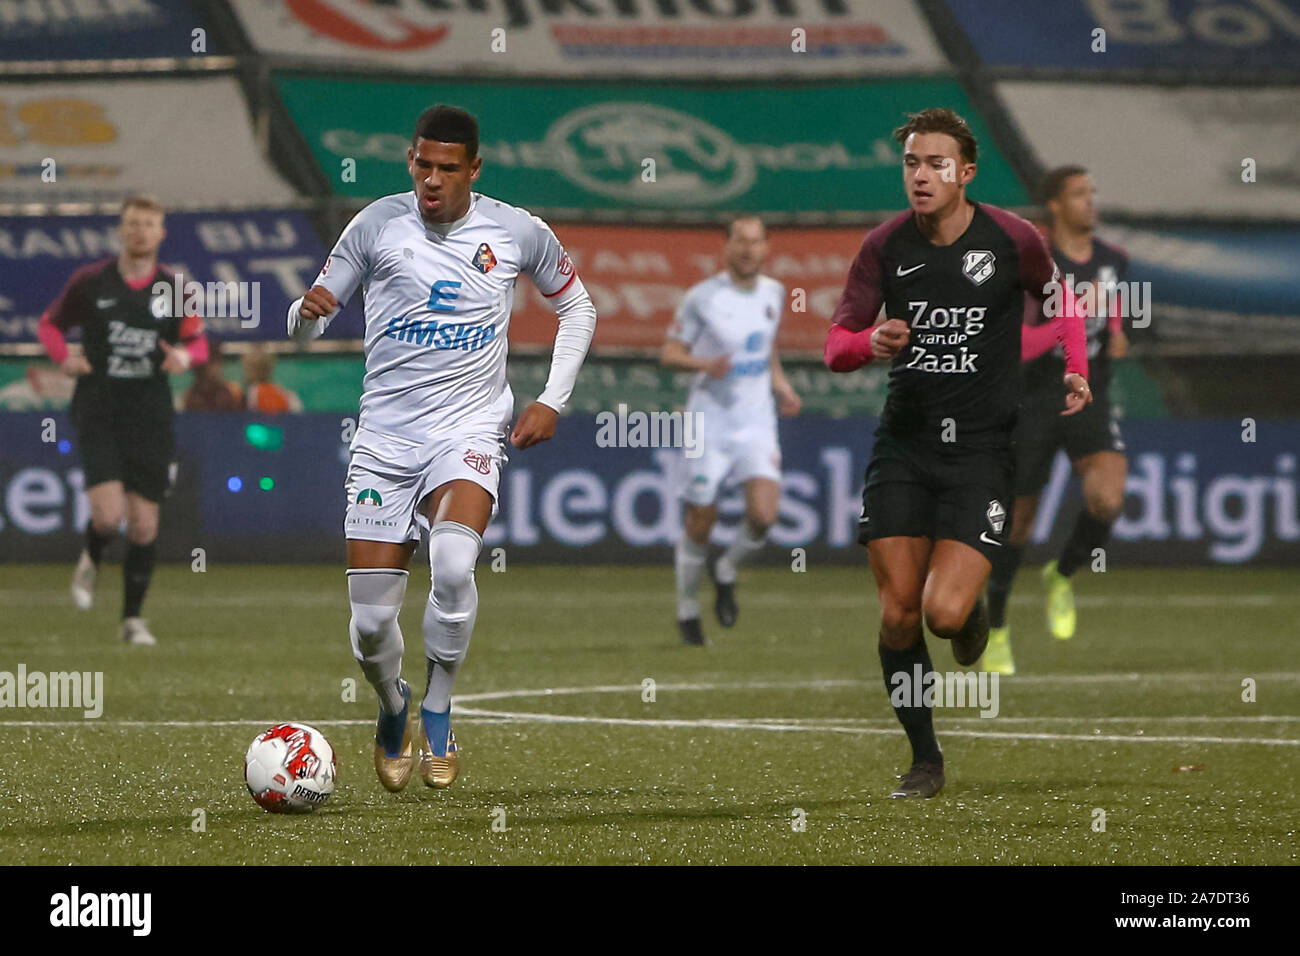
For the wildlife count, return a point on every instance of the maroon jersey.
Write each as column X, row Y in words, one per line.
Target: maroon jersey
column 964, row 304
column 120, row 330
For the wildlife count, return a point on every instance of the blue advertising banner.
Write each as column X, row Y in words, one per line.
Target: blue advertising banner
column 101, row 30
column 1197, row 493
column 1178, row 35
column 269, row 255
column 1241, row 271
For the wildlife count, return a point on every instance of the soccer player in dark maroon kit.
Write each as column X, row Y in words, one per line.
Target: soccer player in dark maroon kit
column 1091, row 439
column 122, row 407
column 952, row 275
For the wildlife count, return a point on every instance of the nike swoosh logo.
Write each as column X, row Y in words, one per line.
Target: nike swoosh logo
column 105, row 303
column 984, row 536
column 903, row 272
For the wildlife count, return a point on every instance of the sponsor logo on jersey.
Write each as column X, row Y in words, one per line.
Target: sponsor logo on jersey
column 105, row 303
column 370, row 497
column 483, row 259
column 978, row 265
column 479, row 461
column 997, row 516
column 441, row 336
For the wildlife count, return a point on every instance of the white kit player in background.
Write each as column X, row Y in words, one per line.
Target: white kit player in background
column 438, row 266
column 725, row 332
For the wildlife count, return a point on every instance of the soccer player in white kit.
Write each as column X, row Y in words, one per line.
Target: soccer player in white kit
column 725, row 332
column 438, row 266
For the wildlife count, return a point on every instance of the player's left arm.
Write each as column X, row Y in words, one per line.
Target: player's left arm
column 549, row 266
column 788, row 402
column 1040, row 277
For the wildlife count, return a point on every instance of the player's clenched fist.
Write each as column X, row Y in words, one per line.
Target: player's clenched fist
column 1080, row 393
column 889, row 338
column 536, row 424
column 317, row 303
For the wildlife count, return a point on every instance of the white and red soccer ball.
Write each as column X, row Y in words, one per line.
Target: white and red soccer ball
column 290, row 768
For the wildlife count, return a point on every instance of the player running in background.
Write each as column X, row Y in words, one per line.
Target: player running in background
column 725, row 332
column 122, row 406
column 438, row 266
column 1091, row 439
column 952, row 275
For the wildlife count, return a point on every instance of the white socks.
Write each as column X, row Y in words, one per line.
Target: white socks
column 376, row 596
column 689, row 559
column 452, row 607
column 742, row 548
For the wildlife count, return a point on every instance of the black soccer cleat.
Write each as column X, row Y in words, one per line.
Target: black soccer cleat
column 923, row 780
column 692, row 634
column 724, row 603
column 974, row 637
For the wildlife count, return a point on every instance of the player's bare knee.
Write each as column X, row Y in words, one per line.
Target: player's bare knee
column 1106, row 507
column 945, row 616
column 900, row 617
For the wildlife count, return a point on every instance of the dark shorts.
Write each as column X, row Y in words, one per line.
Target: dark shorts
column 1042, row 429
column 135, row 446
column 920, row 490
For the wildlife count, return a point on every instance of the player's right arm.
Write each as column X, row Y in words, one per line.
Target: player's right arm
column 66, row 313
column 345, row 268
column 684, row 331
column 858, row 333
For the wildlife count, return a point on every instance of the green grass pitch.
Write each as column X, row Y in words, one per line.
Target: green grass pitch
column 785, row 713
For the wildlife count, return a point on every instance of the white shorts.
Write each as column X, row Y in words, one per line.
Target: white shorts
column 732, row 456
column 388, row 477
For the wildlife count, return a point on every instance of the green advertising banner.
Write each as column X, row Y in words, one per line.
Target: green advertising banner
column 817, row 149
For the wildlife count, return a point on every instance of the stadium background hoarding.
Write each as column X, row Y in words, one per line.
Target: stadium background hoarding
column 1189, row 37
column 599, row 37
column 1187, row 159
column 277, row 248
column 111, row 137
column 572, row 149
column 102, row 30
column 1197, row 495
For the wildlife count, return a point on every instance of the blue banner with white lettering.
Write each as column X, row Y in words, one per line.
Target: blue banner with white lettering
column 272, row 489
column 1190, row 36
column 101, row 29
column 251, row 265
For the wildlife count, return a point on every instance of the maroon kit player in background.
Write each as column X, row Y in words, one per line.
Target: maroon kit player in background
column 952, row 275
column 122, row 406
column 1091, row 439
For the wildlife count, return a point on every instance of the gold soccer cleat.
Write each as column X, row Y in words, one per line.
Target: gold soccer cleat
column 440, row 772
column 395, row 772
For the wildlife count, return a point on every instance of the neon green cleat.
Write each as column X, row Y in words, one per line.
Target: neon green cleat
column 1061, row 618
column 997, row 656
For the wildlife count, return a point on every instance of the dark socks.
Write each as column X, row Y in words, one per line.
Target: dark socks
column 136, row 573
column 1088, row 533
column 96, row 542
column 917, row 721
column 1005, row 564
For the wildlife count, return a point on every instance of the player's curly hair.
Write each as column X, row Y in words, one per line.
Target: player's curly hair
column 448, row 124
column 940, row 119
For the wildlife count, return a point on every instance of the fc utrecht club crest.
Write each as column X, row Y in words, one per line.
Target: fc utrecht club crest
column 977, row 265
column 477, row 459
column 484, row 260
column 997, row 516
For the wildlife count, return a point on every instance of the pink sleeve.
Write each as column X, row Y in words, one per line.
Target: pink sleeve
column 847, row 350
column 52, row 338
column 1071, row 333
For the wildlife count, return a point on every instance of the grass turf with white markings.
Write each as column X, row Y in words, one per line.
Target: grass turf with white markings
column 704, row 782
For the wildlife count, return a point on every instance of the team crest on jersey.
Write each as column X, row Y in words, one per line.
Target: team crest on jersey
column 483, row 259
column 997, row 516
column 566, row 265
column 479, row 461
column 325, row 269
column 977, row 265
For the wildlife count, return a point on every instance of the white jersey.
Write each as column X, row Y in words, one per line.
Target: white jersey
column 437, row 308
column 716, row 318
